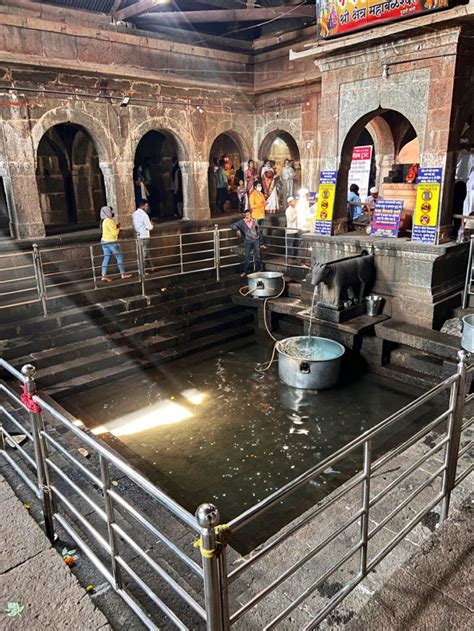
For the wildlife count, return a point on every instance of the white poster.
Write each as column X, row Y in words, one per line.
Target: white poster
column 359, row 172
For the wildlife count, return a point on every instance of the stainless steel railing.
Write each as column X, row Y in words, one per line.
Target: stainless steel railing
column 46, row 274
column 447, row 476
column 468, row 283
column 48, row 466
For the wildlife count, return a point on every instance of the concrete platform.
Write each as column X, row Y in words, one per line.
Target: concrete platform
column 34, row 575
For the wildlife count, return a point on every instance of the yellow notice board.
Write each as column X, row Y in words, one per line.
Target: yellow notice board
column 325, row 207
column 425, row 223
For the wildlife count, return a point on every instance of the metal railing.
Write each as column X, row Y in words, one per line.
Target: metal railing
column 44, row 464
column 468, row 284
column 43, row 275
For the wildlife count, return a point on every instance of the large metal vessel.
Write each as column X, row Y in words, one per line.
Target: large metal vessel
column 467, row 341
column 309, row 363
column 265, row 284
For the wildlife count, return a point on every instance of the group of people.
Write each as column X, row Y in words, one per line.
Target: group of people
column 276, row 188
column 299, row 216
column 110, row 231
column 358, row 210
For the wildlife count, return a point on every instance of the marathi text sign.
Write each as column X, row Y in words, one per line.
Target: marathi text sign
column 425, row 222
column 386, row 219
column 325, row 207
column 359, row 172
column 336, row 17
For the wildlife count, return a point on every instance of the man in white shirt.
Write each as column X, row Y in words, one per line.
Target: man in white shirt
column 291, row 227
column 142, row 226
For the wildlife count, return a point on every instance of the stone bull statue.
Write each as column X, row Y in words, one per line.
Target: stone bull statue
column 348, row 279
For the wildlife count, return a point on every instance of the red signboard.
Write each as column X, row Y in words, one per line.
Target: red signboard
column 337, row 17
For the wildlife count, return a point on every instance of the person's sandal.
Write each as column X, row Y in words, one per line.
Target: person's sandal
column 104, row 279
column 124, row 276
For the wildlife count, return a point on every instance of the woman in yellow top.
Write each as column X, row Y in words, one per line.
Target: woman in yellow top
column 109, row 242
column 257, row 206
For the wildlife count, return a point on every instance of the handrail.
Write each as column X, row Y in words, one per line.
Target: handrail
column 251, row 513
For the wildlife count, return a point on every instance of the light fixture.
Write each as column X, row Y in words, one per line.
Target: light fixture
column 125, row 101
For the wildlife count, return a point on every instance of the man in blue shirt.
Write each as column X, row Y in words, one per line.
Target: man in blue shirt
column 354, row 206
column 222, row 186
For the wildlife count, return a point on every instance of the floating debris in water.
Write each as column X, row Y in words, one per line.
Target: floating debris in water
column 297, row 430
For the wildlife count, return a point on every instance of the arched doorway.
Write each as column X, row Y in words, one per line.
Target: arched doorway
column 225, row 150
column 279, row 146
column 394, row 164
column 154, row 168
column 70, row 182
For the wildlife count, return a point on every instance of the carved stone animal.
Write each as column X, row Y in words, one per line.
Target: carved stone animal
column 347, row 279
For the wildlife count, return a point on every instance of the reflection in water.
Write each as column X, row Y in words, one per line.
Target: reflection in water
column 216, row 430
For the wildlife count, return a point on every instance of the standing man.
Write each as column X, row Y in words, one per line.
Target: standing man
column 257, row 208
column 222, row 186
column 287, row 177
column 291, row 228
column 142, row 226
column 248, row 229
column 177, row 183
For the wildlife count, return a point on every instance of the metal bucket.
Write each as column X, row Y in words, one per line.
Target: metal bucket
column 467, row 341
column 265, row 284
column 309, row 363
column 374, row 304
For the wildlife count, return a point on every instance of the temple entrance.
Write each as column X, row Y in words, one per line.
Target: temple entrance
column 156, row 176
column 279, row 146
column 393, row 165
column 225, row 150
column 70, row 182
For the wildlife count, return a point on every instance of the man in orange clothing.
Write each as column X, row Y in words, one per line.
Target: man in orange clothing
column 257, row 207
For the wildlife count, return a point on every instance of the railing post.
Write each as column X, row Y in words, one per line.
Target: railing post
column 141, row 264
column 181, row 262
column 94, row 276
column 217, row 252
column 39, row 277
column 207, row 517
column 285, row 236
column 468, row 281
column 109, row 511
column 37, row 427
column 457, row 403
column 364, row 523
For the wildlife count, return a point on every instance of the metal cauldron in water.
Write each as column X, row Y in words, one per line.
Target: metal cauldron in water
column 467, row 341
column 309, row 363
column 265, row 284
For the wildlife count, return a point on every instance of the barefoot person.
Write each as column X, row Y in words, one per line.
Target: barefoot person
column 109, row 243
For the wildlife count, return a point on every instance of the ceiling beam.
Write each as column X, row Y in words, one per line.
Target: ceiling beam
column 115, row 7
column 137, row 8
column 197, row 38
column 228, row 15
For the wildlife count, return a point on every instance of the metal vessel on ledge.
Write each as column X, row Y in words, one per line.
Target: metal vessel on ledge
column 265, row 284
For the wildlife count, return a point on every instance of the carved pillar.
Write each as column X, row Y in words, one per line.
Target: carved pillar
column 195, row 191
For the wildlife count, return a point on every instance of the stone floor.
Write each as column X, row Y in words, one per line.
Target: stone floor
column 433, row 590
column 37, row 589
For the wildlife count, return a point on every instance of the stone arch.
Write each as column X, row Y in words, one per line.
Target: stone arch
column 268, row 140
column 231, row 144
column 382, row 134
column 106, row 147
column 237, row 137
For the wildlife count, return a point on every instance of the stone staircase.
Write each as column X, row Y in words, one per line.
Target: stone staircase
column 416, row 355
column 82, row 347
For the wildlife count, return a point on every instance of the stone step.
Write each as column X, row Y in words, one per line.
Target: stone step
column 110, row 318
column 140, row 349
column 420, row 338
column 126, row 367
column 408, row 376
column 106, row 338
column 416, row 360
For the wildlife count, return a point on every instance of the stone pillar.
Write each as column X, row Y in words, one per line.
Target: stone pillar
column 195, row 190
column 118, row 181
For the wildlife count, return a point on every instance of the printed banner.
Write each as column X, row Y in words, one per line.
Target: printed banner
column 425, row 222
column 359, row 172
column 336, row 17
column 325, row 207
column 386, row 219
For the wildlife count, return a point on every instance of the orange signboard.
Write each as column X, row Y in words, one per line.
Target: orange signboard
column 337, row 17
